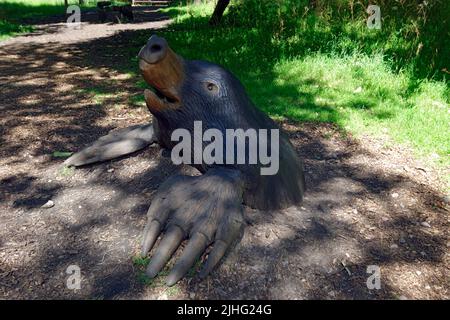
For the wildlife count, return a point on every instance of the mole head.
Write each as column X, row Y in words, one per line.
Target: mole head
column 164, row 71
column 191, row 85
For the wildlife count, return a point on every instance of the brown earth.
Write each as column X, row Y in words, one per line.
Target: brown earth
column 368, row 202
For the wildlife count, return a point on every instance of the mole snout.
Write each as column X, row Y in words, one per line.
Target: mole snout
column 154, row 51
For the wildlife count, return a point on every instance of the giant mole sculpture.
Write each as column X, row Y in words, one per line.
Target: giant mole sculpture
column 207, row 209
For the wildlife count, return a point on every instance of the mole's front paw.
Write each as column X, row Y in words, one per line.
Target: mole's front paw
column 207, row 209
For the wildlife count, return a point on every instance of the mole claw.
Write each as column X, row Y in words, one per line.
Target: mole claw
column 218, row 251
column 206, row 208
column 167, row 247
column 151, row 233
column 193, row 250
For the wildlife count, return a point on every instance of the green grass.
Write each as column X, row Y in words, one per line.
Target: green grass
column 9, row 29
column 18, row 10
column 14, row 13
column 99, row 94
column 361, row 95
column 67, row 171
column 141, row 264
column 318, row 69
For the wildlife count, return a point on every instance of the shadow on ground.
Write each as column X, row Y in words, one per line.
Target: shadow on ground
column 358, row 211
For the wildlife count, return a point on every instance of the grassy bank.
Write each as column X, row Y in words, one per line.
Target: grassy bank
column 305, row 66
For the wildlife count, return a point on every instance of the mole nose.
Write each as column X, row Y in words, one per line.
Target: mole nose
column 155, row 50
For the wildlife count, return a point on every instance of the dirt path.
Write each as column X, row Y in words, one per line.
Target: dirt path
column 367, row 204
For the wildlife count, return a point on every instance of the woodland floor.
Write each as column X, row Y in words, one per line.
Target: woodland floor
column 368, row 203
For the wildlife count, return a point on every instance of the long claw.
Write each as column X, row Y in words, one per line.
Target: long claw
column 167, row 247
column 85, row 156
column 151, row 233
column 218, row 251
column 224, row 238
column 193, row 250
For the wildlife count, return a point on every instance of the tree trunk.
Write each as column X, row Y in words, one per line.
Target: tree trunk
column 218, row 12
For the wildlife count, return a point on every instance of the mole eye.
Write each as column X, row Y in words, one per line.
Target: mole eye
column 212, row 87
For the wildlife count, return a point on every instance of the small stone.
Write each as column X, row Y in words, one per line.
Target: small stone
column 191, row 295
column 402, row 298
column 48, row 204
column 394, row 195
column 425, row 224
column 418, row 272
column 357, row 90
column 393, row 246
column 110, row 170
column 427, row 287
column 402, row 240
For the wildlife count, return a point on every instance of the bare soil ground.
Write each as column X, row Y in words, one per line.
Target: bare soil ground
column 368, row 202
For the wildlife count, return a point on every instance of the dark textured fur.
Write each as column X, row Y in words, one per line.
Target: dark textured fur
column 231, row 108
